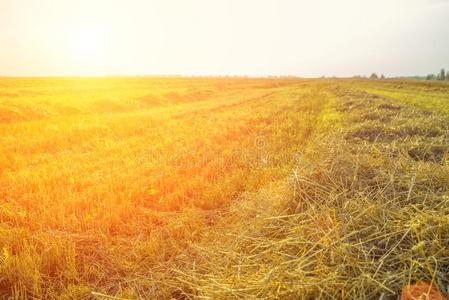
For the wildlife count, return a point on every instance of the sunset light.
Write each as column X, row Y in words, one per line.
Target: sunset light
column 87, row 45
column 224, row 149
column 224, row 37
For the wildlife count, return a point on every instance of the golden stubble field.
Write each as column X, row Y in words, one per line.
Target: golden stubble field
column 143, row 188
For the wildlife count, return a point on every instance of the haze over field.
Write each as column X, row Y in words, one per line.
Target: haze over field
column 199, row 37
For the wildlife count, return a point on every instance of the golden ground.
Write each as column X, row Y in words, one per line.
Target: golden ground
column 221, row 187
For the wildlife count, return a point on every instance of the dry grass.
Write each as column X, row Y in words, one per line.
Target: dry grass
column 221, row 188
column 92, row 200
column 359, row 218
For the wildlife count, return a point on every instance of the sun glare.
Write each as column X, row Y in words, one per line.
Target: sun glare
column 229, row 149
column 88, row 47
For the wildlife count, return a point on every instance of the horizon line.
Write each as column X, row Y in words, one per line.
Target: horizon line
column 356, row 76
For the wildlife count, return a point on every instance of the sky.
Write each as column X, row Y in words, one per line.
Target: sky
column 223, row 37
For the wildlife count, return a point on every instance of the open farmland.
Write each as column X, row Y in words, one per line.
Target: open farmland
column 145, row 188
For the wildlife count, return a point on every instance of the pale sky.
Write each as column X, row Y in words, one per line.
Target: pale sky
column 227, row 37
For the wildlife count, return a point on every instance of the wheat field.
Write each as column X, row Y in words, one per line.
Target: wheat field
column 222, row 188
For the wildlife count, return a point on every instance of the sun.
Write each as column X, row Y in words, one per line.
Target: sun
column 87, row 45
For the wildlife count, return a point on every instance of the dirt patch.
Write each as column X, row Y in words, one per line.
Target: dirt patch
column 422, row 290
column 389, row 106
column 429, row 153
column 382, row 133
column 375, row 115
column 371, row 133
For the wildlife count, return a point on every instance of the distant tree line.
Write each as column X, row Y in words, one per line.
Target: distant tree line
column 442, row 75
column 373, row 76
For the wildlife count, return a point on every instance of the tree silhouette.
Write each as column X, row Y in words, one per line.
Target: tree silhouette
column 374, row 76
column 442, row 75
